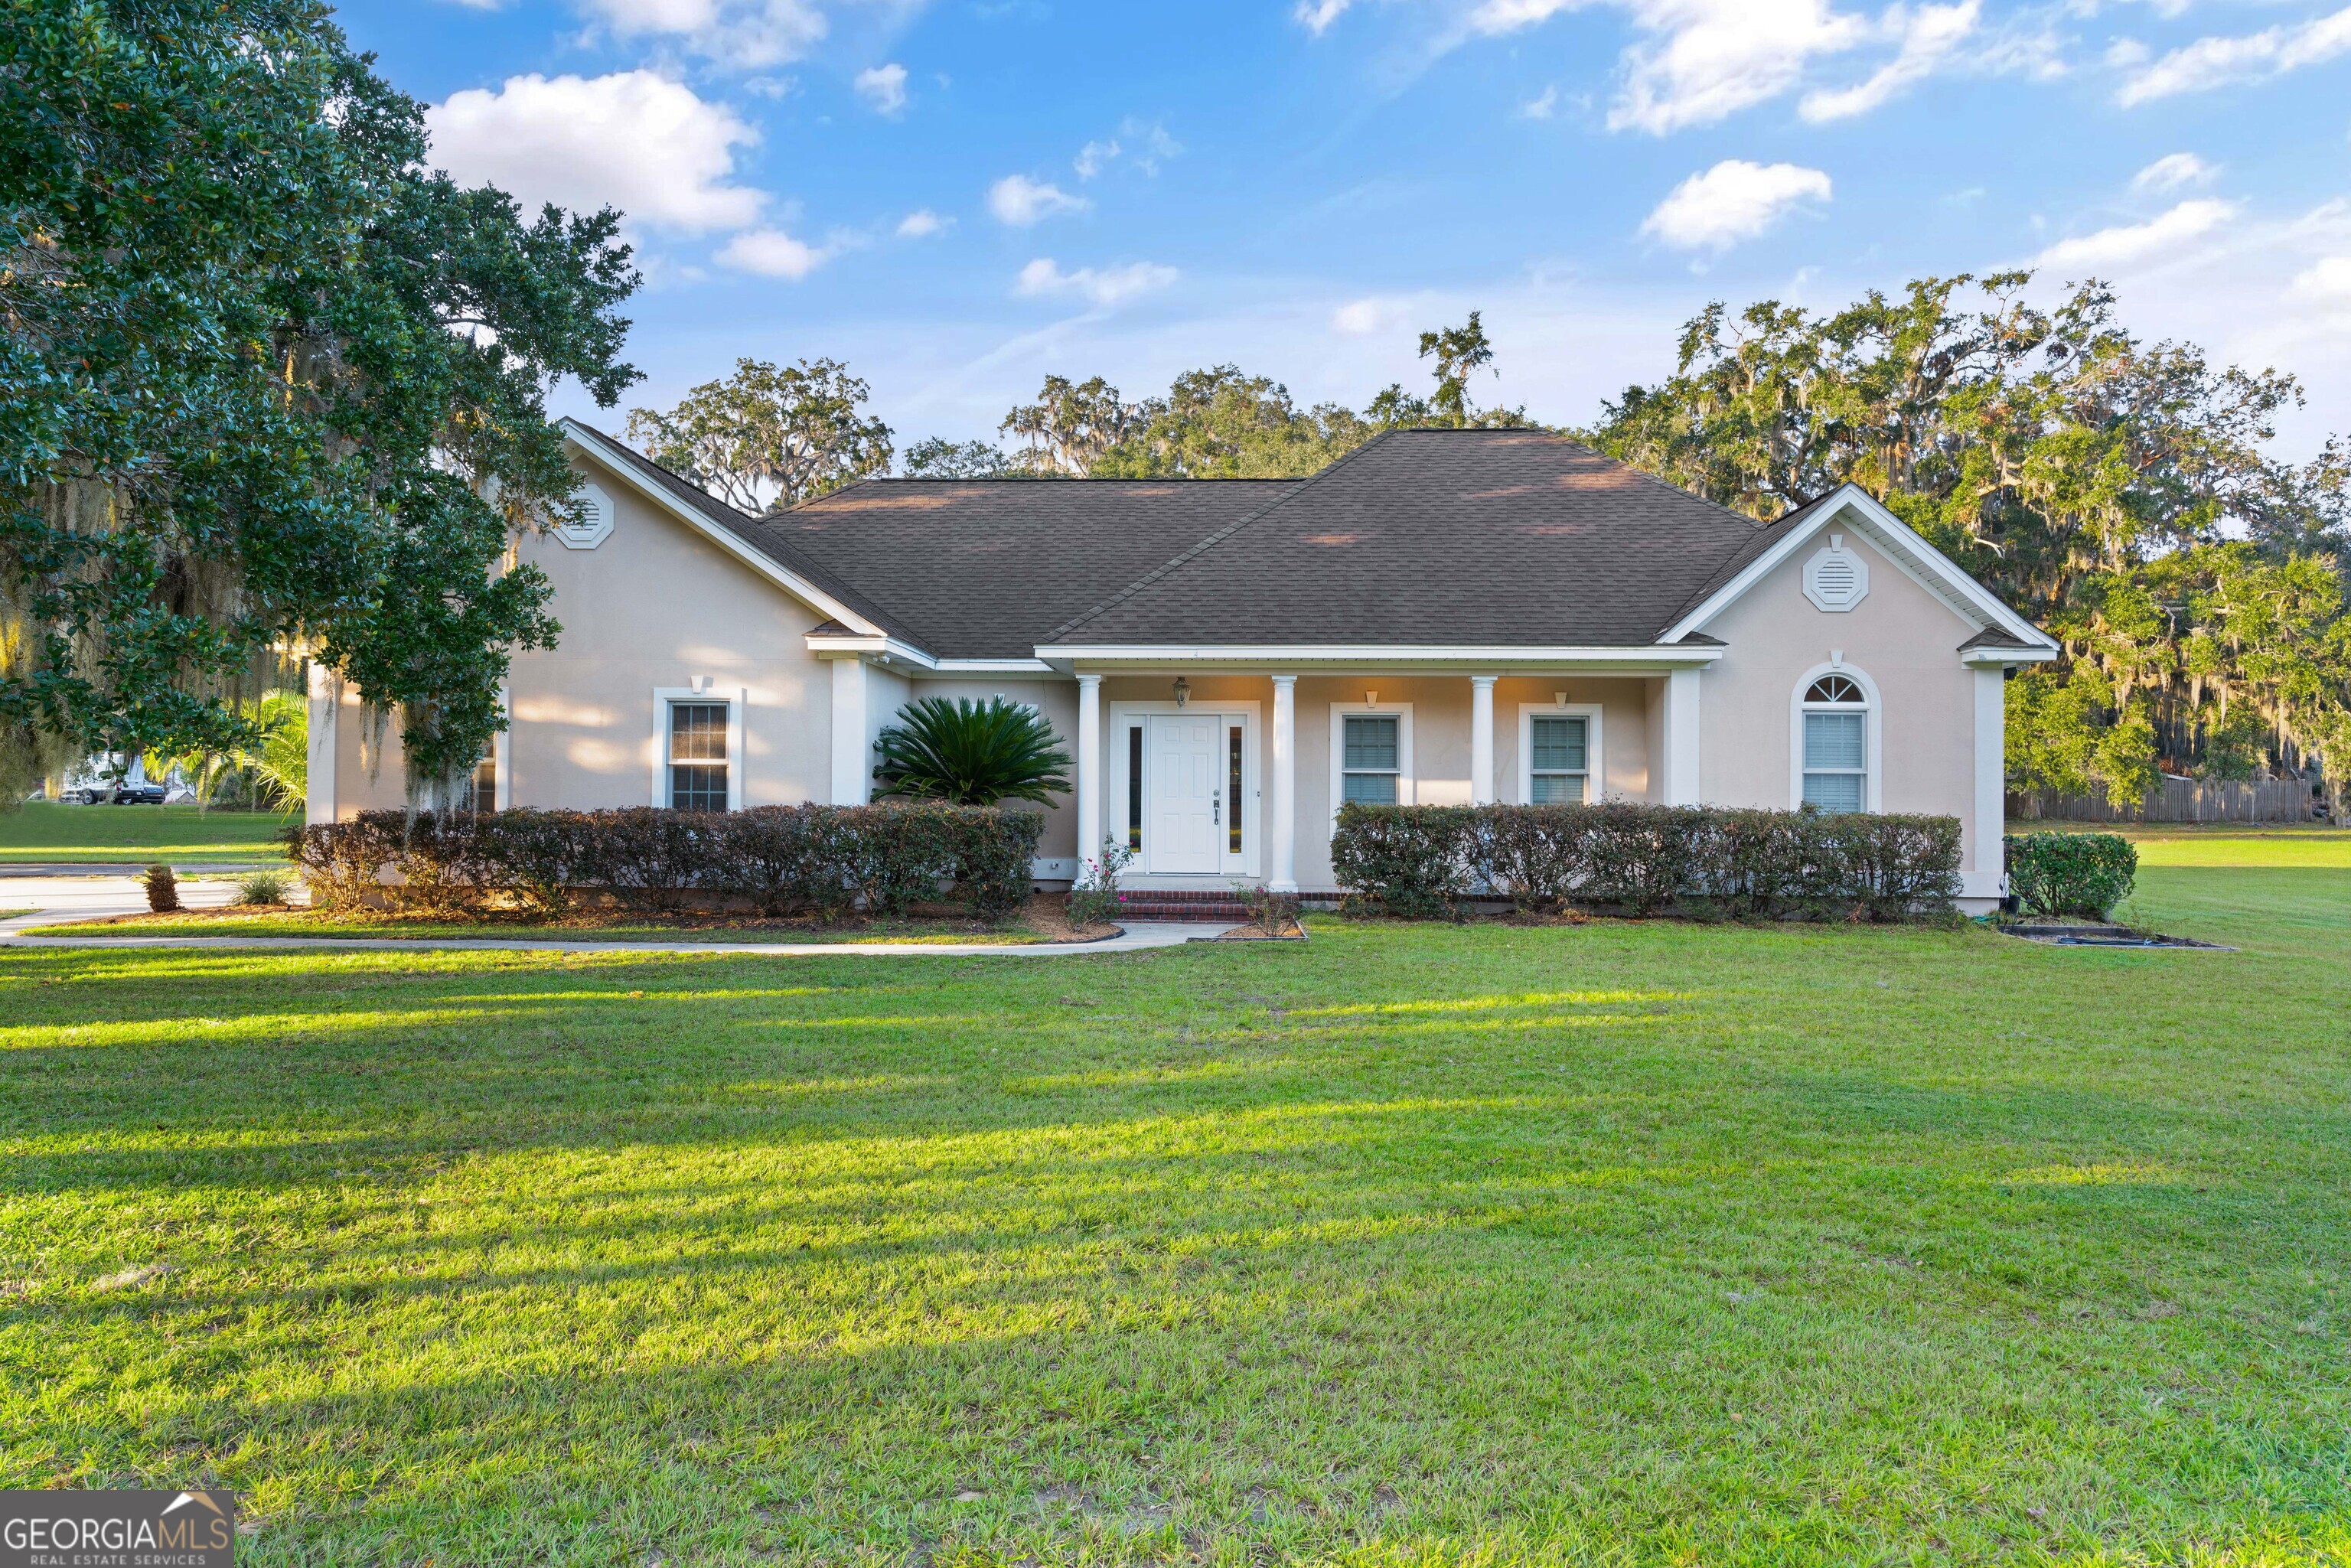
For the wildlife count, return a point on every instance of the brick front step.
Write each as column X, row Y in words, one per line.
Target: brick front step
column 1181, row 906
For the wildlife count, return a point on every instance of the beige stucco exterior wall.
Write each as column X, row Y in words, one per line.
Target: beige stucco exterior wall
column 1903, row 638
column 653, row 605
column 658, row 605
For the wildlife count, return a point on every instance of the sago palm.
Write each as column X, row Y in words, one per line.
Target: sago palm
column 972, row 754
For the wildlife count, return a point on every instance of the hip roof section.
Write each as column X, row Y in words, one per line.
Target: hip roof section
column 1484, row 538
column 986, row 569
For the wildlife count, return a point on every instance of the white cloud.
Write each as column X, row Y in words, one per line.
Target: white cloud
column 1701, row 61
column 1108, row 285
column 883, row 86
column 2327, row 283
column 2213, row 62
column 1372, row 314
column 633, row 141
column 2126, row 244
column 1318, row 14
column 1542, row 107
column 1929, row 37
column 1093, row 158
column 1019, row 200
column 1733, row 201
column 922, row 223
column 772, row 253
column 1144, row 145
column 743, row 35
column 2173, row 171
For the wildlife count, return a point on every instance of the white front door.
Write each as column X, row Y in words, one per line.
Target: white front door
column 1187, row 795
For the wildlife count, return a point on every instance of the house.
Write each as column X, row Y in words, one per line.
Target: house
column 1443, row 616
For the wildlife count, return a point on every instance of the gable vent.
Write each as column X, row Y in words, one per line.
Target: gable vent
column 1836, row 579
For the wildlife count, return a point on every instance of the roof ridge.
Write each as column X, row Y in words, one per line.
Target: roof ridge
column 1155, row 573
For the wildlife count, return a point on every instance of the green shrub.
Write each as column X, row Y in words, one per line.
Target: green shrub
column 537, row 855
column 2084, row 874
column 1412, row 862
column 996, row 853
column 779, row 858
column 343, row 861
column 1421, row 860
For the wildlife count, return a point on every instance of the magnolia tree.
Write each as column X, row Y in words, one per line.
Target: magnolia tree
column 270, row 385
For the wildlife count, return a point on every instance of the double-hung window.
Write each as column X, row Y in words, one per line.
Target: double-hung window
column 1559, row 758
column 1836, row 745
column 1370, row 757
column 697, row 755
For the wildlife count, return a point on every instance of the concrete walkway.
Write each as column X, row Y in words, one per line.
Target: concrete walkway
column 62, row 900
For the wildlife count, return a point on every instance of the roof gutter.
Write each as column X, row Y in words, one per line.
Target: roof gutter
column 2001, row 658
column 1649, row 658
column 914, row 661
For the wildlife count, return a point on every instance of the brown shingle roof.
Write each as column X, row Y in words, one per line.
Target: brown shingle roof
column 1488, row 537
column 746, row 529
column 985, row 569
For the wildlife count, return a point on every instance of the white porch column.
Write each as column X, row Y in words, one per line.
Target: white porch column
column 1481, row 740
column 326, row 705
column 1282, row 875
column 1090, row 768
column 1987, row 862
column 853, row 767
column 1681, row 738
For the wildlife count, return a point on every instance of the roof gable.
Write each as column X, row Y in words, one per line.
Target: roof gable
column 738, row 535
column 1851, row 506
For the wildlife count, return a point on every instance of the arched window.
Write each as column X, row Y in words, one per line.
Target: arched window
column 1836, row 738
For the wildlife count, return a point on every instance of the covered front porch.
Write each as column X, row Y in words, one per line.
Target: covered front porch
column 1217, row 771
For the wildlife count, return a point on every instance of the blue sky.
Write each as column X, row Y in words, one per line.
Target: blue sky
column 959, row 197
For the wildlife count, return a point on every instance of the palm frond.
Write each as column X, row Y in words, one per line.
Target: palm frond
column 973, row 754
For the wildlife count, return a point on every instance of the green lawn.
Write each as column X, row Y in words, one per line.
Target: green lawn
column 49, row 831
column 231, row 922
column 1616, row 1243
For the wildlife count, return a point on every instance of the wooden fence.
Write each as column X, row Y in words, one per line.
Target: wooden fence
column 2176, row 801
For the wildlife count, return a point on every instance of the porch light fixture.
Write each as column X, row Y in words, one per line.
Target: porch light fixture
column 1183, row 691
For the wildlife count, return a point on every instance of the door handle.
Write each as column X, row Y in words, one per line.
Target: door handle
column 1216, row 807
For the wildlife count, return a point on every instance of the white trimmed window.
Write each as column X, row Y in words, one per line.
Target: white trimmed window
column 1559, row 758
column 1835, row 740
column 697, row 757
column 1559, row 753
column 1373, row 756
column 698, row 748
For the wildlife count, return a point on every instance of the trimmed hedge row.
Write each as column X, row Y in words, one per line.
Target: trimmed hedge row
column 780, row 860
column 1421, row 861
column 2071, row 873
